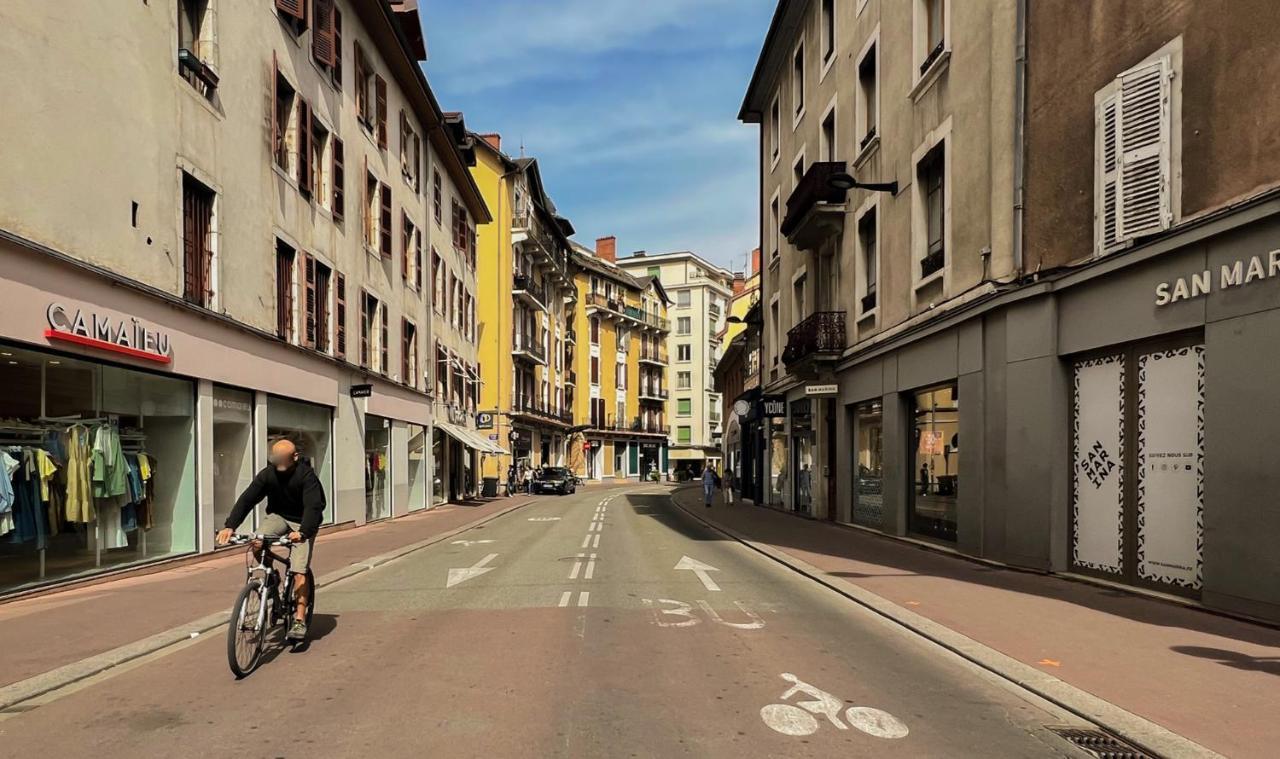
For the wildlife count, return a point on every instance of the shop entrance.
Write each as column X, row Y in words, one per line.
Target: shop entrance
column 1137, row 447
column 802, row 445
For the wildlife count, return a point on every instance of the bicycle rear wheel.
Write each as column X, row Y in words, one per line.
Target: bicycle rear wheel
column 246, row 630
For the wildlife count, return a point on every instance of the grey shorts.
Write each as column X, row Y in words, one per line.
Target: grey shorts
column 300, row 556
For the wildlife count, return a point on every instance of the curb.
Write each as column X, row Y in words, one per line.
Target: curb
column 1127, row 725
column 33, row 687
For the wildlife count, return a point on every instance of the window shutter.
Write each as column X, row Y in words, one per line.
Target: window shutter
column 385, row 199
column 383, row 366
column 304, row 147
column 295, row 8
column 380, row 98
column 322, row 32
column 405, row 376
column 367, row 207
column 365, row 326
column 362, row 85
column 417, row 161
column 1143, row 139
column 274, row 107
column 336, row 71
column 404, row 246
column 404, row 142
column 309, row 302
column 417, row 253
column 1108, row 162
column 339, row 179
column 341, row 302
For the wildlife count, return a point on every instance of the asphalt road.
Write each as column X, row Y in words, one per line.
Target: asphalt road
column 564, row 629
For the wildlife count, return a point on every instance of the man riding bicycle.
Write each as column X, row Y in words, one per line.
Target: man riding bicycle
column 295, row 506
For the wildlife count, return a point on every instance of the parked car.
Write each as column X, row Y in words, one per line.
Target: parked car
column 555, row 479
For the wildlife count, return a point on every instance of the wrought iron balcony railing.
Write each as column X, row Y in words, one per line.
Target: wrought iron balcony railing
column 822, row 334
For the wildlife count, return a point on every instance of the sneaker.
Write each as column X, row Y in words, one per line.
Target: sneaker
column 297, row 630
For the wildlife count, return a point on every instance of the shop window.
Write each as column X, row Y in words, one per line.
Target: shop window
column 935, row 446
column 868, row 460
column 310, row 428
column 198, row 236
column 233, row 459
column 377, row 468
column 62, row 523
column 803, row 443
column 416, row 466
column 437, row 467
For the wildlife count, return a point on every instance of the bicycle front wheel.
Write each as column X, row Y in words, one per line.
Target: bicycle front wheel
column 246, row 630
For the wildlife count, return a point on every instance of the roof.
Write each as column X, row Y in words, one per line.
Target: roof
column 647, row 258
column 786, row 23
column 541, row 200
column 586, row 258
column 647, row 282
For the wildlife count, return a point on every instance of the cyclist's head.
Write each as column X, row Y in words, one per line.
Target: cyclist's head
column 284, row 454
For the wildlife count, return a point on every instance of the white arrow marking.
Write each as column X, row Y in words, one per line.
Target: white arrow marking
column 462, row 575
column 544, row 519
column 699, row 569
column 469, row 543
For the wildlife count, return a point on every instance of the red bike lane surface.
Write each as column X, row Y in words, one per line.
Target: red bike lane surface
column 82, row 622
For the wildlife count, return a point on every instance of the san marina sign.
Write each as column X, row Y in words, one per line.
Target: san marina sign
column 1236, row 274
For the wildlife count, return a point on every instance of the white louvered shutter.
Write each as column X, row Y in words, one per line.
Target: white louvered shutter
column 1143, row 141
column 1107, row 168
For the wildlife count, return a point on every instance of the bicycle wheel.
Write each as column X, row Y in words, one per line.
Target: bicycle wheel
column 246, row 630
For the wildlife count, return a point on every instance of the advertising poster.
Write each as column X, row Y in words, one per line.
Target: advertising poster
column 1098, row 464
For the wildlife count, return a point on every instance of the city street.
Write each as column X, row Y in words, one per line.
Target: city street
column 605, row 623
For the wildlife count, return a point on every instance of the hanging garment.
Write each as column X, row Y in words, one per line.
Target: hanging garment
column 28, row 511
column 133, row 479
column 146, row 507
column 79, row 505
column 54, row 445
column 129, row 517
column 110, row 524
column 8, row 465
column 109, row 467
column 45, row 469
column 144, row 466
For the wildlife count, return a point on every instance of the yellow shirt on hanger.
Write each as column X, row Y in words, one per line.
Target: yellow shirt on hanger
column 45, row 468
column 144, row 466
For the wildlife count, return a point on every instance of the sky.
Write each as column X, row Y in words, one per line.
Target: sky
column 630, row 107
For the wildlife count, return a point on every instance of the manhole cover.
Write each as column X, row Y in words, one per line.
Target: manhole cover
column 1102, row 744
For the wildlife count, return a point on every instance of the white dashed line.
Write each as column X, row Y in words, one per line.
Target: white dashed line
column 583, row 597
column 586, row 541
column 596, row 542
column 591, row 567
column 564, row 598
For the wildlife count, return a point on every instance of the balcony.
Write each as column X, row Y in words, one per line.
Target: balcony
column 571, row 378
column 814, row 342
column 527, row 292
column 608, row 307
column 523, row 346
column 571, row 336
column 660, row 323
column 635, row 426
column 532, row 407
column 659, row 394
column 815, row 209
column 653, row 355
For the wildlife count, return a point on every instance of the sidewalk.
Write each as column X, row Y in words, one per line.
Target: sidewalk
column 1208, row 678
column 42, row 633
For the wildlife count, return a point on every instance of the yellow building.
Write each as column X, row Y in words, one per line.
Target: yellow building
column 527, row 285
column 618, row 368
column 746, row 292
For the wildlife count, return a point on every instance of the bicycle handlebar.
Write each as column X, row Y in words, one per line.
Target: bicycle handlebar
column 270, row 540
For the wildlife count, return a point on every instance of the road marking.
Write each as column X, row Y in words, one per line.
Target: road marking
column 876, row 722
column 469, row 543
column 596, row 542
column 699, row 569
column 591, row 567
column 564, row 598
column 595, row 526
column 586, row 542
column 1050, row 662
column 800, row 717
column 755, row 624
column 544, row 519
column 577, row 567
column 463, row 574
column 681, row 609
column 583, row 597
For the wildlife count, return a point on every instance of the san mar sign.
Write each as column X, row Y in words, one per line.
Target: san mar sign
column 128, row 337
column 1241, row 272
column 822, row 390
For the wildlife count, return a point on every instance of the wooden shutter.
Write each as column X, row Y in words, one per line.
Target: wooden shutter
column 340, row 299
column 385, row 199
column 417, row 253
column 339, row 180
column 404, row 246
column 335, row 73
column 417, row 162
column 383, row 365
column 365, row 326
column 1143, row 139
column 274, row 108
column 284, row 295
column 404, row 142
column 362, row 85
column 323, row 278
column 322, row 31
column 380, row 99
column 304, row 147
column 309, row 301
column 1105, row 201
column 406, row 335
column 295, row 8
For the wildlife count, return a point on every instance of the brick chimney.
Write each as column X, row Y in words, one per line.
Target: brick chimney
column 494, row 139
column 607, row 248
column 755, row 262
column 739, row 283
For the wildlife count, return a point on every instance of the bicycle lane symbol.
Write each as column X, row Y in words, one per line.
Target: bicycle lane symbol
column 798, row 718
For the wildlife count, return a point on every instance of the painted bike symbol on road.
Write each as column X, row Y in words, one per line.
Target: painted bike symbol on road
column 798, row 718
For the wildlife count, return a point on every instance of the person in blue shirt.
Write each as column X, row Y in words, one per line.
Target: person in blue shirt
column 708, row 485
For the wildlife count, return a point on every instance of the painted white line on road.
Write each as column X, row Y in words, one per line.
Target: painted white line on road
column 755, row 624
column 544, row 519
column 680, row 609
column 595, row 543
column 577, row 568
column 469, row 543
column 699, row 569
column 586, row 542
column 463, row 574
column 564, row 598
column 591, row 567
column 583, row 597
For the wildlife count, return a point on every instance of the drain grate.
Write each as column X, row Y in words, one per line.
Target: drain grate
column 1101, row 744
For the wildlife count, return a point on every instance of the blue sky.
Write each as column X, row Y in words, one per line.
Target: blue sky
column 630, row 107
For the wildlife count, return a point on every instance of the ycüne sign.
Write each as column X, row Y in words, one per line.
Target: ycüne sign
column 1241, row 272
column 128, row 337
column 773, row 406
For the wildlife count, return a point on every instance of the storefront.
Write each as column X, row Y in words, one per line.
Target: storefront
column 935, row 434
column 868, row 464
column 377, row 468
column 418, row 466
column 802, row 455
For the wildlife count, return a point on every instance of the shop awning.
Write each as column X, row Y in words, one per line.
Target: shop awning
column 471, row 439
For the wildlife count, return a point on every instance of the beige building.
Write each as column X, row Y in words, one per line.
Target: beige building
column 917, row 97
column 700, row 292
column 223, row 223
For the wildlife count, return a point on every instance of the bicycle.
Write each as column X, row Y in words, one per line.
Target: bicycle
column 265, row 602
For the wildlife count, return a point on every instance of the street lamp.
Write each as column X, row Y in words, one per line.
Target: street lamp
column 842, row 181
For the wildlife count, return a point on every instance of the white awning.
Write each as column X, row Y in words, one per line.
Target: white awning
column 471, row 439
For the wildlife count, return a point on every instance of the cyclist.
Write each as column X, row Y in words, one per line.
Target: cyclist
column 295, row 506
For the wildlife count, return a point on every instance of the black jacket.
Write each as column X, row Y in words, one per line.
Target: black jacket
column 299, row 499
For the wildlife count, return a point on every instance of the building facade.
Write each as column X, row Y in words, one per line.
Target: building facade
column 244, row 262
column 526, row 340
column 700, row 293
column 1043, row 349
column 737, row 377
column 619, row 369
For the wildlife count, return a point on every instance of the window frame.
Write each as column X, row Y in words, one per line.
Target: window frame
column 867, row 129
column 830, row 48
column 938, row 139
column 799, row 98
column 870, row 208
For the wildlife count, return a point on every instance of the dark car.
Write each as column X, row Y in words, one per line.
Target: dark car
column 555, row 479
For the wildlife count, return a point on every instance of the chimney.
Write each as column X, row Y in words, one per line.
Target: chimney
column 494, row 139
column 607, row 248
column 739, row 283
column 755, row 262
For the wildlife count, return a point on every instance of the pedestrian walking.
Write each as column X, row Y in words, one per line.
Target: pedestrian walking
column 708, row 485
column 730, row 486
column 511, row 480
column 528, row 480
